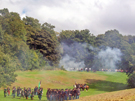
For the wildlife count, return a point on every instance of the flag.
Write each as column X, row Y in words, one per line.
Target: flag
column 39, row 85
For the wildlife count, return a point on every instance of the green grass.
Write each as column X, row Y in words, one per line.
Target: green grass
column 99, row 82
column 114, row 82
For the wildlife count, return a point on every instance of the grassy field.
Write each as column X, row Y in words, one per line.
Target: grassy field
column 99, row 82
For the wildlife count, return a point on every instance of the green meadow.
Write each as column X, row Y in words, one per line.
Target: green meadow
column 99, row 82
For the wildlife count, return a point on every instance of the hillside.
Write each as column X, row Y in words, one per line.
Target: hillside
column 99, row 82
column 54, row 79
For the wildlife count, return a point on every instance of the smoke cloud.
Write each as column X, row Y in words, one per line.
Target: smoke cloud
column 70, row 63
column 108, row 58
column 81, row 55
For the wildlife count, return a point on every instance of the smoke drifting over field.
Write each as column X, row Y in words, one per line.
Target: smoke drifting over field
column 70, row 63
column 108, row 58
column 80, row 55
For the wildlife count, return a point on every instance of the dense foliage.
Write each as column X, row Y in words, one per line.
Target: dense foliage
column 131, row 81
column 26, row 44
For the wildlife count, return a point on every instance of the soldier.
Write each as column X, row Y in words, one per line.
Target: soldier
column 29, row 92
column 73, row 93
column 19, row 92
column 8, row 91
column 54, row 94
column 40, row 94
column 22, row 93
column 62, row 94
column 70, row 94
column 35, row 90
column 32, row 94
column 48, row 93
column 5, row 92
column 26, row 93
column 13, row 92
column 77, row 93
column 66, row 94
column 59, row 97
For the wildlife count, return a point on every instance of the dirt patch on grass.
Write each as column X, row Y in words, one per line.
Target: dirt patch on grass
column 123, row 95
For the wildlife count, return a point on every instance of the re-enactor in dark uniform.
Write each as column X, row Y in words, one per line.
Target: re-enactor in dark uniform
column 74, row 93
column 32, row 95
column 66, row 94
column 40, row 94
column 26, row 93
column 48, row 94
column 5, row 92
column 57, row 95
column 59, row 91
column 62, row 95
column 13, row 92
column 29, row 92
column 70, row 94
column 77, row 93
column 17, row 91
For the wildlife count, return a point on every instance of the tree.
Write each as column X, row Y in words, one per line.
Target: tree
column 131, row 81
column 7, row 76
column 42, row 38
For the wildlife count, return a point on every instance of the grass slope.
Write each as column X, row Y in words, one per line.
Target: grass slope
column 99, row 82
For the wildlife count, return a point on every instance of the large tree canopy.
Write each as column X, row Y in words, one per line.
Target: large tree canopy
column 42, row 38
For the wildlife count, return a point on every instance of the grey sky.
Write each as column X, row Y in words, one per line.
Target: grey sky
column 96, row 15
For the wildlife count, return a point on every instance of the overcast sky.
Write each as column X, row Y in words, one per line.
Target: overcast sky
column 96, row 15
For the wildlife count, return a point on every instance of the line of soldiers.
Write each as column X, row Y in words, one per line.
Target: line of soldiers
column 24, row 92
column 52, row 94
column 61, row 94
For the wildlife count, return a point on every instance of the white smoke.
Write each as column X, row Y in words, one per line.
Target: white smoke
column 109, row 58
column 70, row 63
column 104, row 58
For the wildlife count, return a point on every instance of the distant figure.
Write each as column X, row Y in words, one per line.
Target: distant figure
column 85, row 69
column 77, row 93
column 5, row 92
column 32, row 94
column 88, row 70
column 13, row 92
column 26, row 93
column 81, row 69
column 8, row 91
column 22, row 93
column 66, row 94
column 70, row 94
column 40, row 94
column 35, row 90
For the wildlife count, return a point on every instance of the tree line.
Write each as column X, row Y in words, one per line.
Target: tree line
column 26, row 44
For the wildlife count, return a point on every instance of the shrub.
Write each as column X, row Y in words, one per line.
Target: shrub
column 131, row 81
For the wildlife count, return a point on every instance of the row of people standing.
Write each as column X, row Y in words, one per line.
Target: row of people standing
column 61, row 94
column 26, row 92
